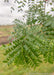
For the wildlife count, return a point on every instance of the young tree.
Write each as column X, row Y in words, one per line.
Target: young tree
column 30, row 45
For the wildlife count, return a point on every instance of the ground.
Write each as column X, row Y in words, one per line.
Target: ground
column 43, row 69
column 5, row 32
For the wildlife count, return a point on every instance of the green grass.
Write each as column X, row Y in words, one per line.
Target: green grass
column 13, row 70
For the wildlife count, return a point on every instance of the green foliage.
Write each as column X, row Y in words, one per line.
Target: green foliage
column 27, row 48
column 48, row 27
column 30, row 46
column 13, row 70
column 36, row 13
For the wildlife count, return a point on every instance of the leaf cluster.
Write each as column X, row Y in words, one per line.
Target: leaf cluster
column 28, row 49
column 30, row 46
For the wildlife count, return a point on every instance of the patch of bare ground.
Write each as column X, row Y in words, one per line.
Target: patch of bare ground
column 5, row 32
column 52, row 73
column 4, row 40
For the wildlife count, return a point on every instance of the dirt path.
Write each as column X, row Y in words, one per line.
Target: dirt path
column 4, row 40
column 5, row 32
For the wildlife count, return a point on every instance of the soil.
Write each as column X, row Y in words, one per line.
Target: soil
column 4, row 40
column 5, row 32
